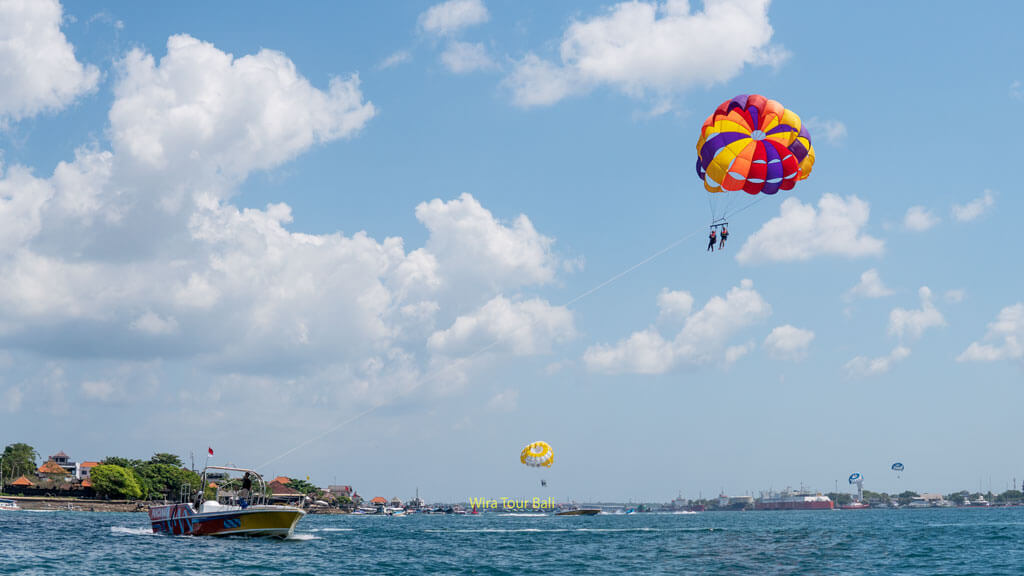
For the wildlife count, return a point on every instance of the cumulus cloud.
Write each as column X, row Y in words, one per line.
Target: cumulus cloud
column 471, row 245
column 864, row 366
column 38, row 68
column 801, row 232
column 975, row 208
column 466, row 57
column 136, row 252
column 1004, row 339
column 870, row 286
column 207, row 119
column 674, row 304
column 702, row 338
column 788, row 342
column 450, row 17
column 919, row 219
column 913, row 323
column 643, row 47
column 522, row 328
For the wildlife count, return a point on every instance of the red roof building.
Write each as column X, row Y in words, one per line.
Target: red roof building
column 51, row 467
column 22, row 481
column 379, row 500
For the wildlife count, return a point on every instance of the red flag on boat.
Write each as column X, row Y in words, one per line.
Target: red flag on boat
column 210, row 450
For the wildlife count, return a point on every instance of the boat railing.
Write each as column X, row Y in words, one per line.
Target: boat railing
column 256, row 495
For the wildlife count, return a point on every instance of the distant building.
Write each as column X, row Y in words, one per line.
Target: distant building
column 22, row 481
column 281, row 493
column 340, row 490
column 85, row 470
column 395, row 502
column 64, row 461
column 52, row 469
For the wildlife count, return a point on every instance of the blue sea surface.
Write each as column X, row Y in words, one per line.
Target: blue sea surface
column 931, row 541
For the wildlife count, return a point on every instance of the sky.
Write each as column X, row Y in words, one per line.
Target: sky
column 391, row 246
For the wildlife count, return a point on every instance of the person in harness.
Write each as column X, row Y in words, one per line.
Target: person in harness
column 711, row 241
column 725, row 234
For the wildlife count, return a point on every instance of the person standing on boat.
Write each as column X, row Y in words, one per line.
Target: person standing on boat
column 246, row 490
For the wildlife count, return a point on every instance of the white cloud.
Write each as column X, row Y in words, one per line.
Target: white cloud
column 919, row 219
column 206, row 119
column 788, row 342
column 830, row 131
column 864, row 366
column 975, row 208
column 472, row 246
column 400, row 57
column 643, row 47
column 450, row 17
column 701, row 339
column 464, row 57
column 734, row 353
column 800, row 232
column 521, row 328
column 1016, row 92
column 870, row 286
column 13, row 396
column 1004, row 339
column 38, row 69
column 913, row 323
column 674, row 304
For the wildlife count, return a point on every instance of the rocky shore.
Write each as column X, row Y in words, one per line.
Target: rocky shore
column 79, row 504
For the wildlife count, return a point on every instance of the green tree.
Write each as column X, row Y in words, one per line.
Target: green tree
column 302, row 486
column 18, row 459
column 906, row 496
column 122, row 462
column 166, row 458
column 165, row 480
column 115, row 481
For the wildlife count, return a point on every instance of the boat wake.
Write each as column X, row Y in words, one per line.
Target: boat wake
column 302, row 536
column 132, row 531
column 330, row 530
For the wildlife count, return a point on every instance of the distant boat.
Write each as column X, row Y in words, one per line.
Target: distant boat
column 8, row 505
column 578, row 512
column 794, row 500
column 235, row 517
column 854, row 506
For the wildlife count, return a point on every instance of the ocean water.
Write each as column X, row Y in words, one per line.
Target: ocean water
column 931, row 541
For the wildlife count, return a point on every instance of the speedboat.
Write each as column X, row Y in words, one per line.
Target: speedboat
column 578, row 512
column 242, row 512
column 9, row 505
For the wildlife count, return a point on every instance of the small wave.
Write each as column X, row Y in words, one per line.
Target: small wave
column 132, row 531
column 302, row 536
column 331, row 530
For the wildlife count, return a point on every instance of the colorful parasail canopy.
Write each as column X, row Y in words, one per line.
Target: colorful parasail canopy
column 537, row 454
column 854, row 477
column 897, row 467
column 753, row 144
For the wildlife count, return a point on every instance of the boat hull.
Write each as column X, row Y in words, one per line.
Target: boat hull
column 181, row 519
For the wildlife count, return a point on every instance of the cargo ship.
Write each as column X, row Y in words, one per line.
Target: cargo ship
column 793, row 500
